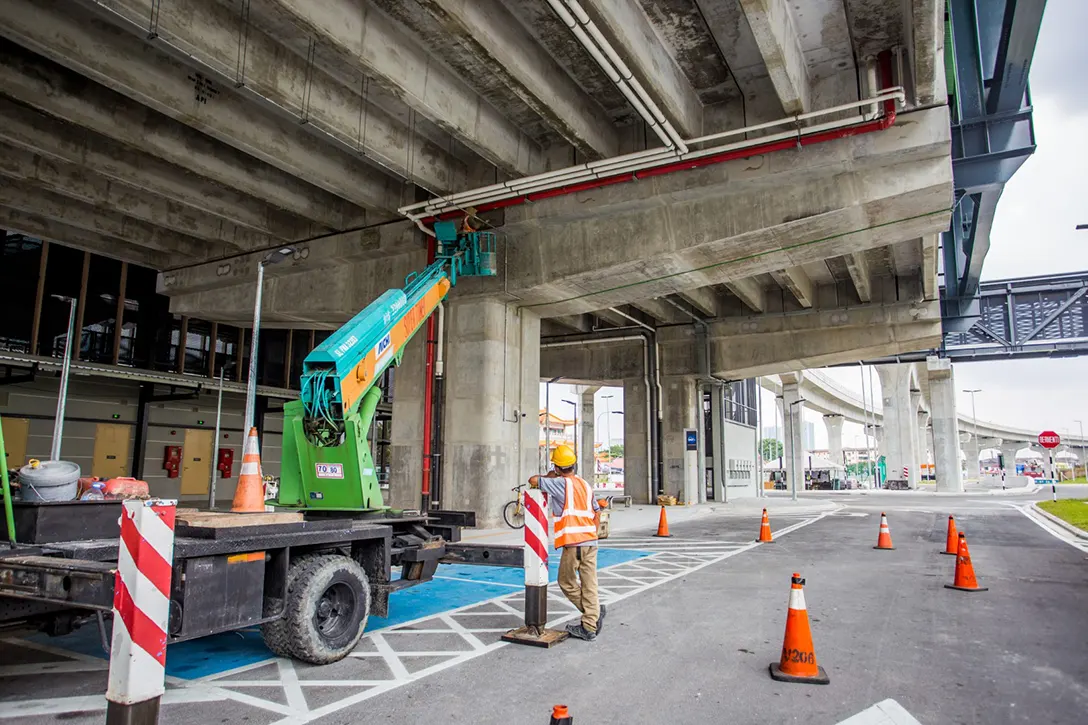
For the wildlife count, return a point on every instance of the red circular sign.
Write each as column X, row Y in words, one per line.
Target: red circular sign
column 1049, row 439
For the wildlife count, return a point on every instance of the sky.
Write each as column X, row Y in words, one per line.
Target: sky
column 1033, row 233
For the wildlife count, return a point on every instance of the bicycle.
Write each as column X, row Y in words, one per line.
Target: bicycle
column 514, row 511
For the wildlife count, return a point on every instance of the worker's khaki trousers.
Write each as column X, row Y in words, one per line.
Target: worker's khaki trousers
column 578, row 580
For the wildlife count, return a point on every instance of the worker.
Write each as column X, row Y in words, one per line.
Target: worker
column 471, row 222
column 577, row 514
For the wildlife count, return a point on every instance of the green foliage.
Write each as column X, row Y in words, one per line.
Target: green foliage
column 616, row 451
column 1073, row 510
column 771, row 448
column 861, row 469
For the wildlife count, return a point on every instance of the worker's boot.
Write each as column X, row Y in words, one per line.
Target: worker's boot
column 577, row 630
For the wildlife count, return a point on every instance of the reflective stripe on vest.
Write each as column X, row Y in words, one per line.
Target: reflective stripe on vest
column 577, row 524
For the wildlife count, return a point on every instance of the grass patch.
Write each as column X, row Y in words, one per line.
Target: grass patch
column 1071, row 510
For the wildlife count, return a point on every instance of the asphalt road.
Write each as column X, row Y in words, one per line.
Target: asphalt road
column 696, row 650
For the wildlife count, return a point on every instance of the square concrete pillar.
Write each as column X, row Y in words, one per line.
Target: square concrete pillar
column 833, row 423
column 946, row 427
column 900, row 423
column 492, row 398
column 406, row 434
column 792, row 418
column 636, row 441
column 680, row 414
column 587, row 418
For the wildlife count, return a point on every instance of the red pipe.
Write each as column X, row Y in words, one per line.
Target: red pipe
column 878, row 124
column 428, row 393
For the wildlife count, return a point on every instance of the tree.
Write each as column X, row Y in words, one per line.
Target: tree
column 772, row 448
column 616, row 451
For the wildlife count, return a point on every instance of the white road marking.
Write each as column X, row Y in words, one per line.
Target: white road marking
column 885, row 712
column 1047, row 526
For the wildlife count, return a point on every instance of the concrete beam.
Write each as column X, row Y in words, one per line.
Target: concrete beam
column 490, row 32
column 113, row 58
column 746, row 347
column 612, row 318
column 398, row 63
column 180, row 247
column 749, row 291
column 317, row 257
column 575, row 323
column 637, row 240
column 857, row 265
column 208, row 32
column 73, row 98
column 798, row 283
column 36, row 225
column 661, row 311
column 77, row 182
column 927, row 52
column 704, row 299
column 634, row 38
column 232, row 212
column 592, row 362
column 773, row 27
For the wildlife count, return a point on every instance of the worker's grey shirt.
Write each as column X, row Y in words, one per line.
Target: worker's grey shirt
column 556, row 488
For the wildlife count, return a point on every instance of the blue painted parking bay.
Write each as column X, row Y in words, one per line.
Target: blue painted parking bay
column 454, row 586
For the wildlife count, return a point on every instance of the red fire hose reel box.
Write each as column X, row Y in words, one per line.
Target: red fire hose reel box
column 224, row 461
column 171, row 461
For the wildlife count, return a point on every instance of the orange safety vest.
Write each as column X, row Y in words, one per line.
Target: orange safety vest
column 578, row 523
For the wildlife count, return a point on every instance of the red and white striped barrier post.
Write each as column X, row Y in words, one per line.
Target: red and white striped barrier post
column 141, row 611
column 536, row 577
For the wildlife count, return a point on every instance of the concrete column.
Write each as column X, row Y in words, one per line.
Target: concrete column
column 946, row 427
column 679, row 407
column 1008, row 452
column 833, row 423
column 794, row 459
column 922, row 439
column 492, row 397
column 899, row 422
column 587, row 418
column 716, row 447
column 636, row 441
column 917, row 444
column 406, row 434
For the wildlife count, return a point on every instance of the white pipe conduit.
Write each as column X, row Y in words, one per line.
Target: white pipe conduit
column 645, row 160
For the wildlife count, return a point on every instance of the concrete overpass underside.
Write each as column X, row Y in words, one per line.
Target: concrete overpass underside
column 193, row 136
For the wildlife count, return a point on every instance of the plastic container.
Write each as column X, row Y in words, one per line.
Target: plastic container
column 49, row 480
column 95, row 493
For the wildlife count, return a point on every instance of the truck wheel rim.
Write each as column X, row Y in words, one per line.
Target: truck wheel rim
column 335, row 610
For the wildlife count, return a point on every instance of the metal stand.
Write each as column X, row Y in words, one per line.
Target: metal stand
column 140, row 713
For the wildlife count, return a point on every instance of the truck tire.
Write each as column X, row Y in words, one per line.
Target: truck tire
column 328, row 602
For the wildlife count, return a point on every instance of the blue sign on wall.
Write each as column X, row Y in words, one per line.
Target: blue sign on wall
column 692, row 439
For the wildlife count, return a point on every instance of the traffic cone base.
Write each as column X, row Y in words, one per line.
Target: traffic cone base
column 798, row 662
column 765, row 535
column 663, row 525
column 820, row 678
column 884, row 540
column 967, row 589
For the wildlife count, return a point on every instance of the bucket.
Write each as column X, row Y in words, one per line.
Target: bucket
column 49, row 480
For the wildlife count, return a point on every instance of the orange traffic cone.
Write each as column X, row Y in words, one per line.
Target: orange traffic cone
column 249, row 496
column 965, row 571
column 951, row 544
column 663, row 525
column 798, row 662
column 884, row 540
column 561, row 716
column 765, row 536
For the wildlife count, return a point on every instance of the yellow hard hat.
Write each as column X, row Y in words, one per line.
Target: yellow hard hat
column 563, row 456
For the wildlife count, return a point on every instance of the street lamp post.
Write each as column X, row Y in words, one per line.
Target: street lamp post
column 273, row 257
column 62, row 397
column 575, row 406
column 1083, row 460
column 974, row 424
